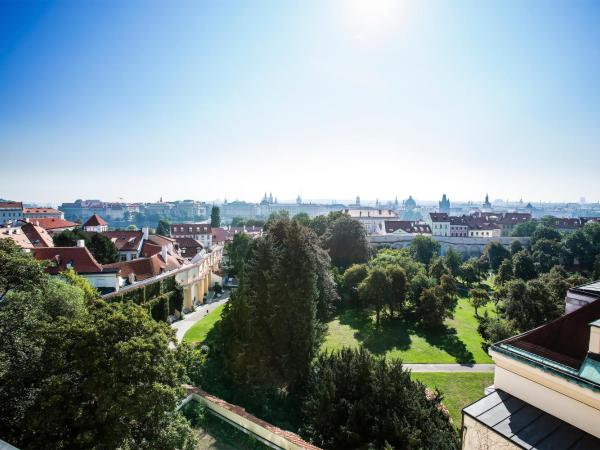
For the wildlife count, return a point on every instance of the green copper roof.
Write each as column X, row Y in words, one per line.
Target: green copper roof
column 590, row 369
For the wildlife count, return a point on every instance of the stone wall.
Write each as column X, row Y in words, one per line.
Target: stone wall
column 467, row 246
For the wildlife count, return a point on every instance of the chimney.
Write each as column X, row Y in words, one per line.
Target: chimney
column 164, row 253
column 80, row 243
column 595, row 337
column 146, row 232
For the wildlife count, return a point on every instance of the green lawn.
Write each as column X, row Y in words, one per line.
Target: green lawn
column 200, row 330
column 458, row 389
column 457, row 342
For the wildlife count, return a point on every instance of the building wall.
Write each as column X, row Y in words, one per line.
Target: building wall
column 555, row 395
column 476, row 436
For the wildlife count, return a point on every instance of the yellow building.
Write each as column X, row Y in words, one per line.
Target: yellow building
column 546, row 391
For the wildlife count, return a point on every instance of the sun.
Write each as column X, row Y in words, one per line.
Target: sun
column 370, row 18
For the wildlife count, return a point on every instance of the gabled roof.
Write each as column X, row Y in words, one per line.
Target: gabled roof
column 144, row 268
column 95, row 221
column 185, row 242
column 61, row 258
column 52, row 223
column 125, row 240
column 187, row 228
column 37, row 235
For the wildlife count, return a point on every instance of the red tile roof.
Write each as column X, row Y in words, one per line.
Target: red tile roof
column 37, row 235
column 51, row 223
column 41, row 211
column 95, row 221
column 79, row 258
column 439, row 217
column 11, row 205
column 144, row 268
column 125, row 240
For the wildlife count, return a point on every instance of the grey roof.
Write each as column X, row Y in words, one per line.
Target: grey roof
column 592, row 288
column 527, row 426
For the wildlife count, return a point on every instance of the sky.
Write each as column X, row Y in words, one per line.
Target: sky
column 143, row 99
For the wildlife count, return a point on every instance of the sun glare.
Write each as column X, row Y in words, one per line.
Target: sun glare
column 372, row 18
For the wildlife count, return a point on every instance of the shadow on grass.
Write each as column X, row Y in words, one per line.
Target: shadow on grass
column 396, row 334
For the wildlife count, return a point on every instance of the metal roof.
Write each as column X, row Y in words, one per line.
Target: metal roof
column 527, row 426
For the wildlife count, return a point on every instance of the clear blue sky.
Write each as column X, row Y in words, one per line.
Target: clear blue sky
column 382, row 98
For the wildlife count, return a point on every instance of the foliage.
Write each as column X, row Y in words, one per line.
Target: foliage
column 545, row 232
column 271, row 326
column 355, row 400
column 103, row 249
column 18, row 270
column 505, row 272
column 523, row 266
column 237, row 251
column 525, row 229
column 583, row 246
column 398, row 289
column 424, row 248
column 215, row 216
column 398, row 258
column 546, row 253
column 438, row 267
column 495, row 253
column 375, row 290
column 163, row 228
column 303, row 218
column 352, row 277
column 69, row 238
column 56, row 393
column 453, row 261
column 433, row 307
column 516, row 247
column 469, row 271
column 478, row 297
column 346, row 241
column 494, row 329
column 530, row 304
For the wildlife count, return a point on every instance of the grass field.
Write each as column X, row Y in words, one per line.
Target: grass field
column 201, row 328
column 456, row 342
column 458, row 389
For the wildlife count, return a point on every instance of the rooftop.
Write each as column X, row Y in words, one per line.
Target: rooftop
column 61, row 258
column 560, row 346
column 125, row 240
column 51, row 223
column 527, row 426
column 95, row 221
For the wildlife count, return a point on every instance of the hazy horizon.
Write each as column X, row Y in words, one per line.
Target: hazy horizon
column 210, row 100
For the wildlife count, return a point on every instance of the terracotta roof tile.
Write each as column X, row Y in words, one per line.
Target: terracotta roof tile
column 95, row 221
column 61, row 258
column 51, row 223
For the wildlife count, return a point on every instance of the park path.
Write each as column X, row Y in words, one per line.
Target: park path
column 181, row 326
column 450, row 367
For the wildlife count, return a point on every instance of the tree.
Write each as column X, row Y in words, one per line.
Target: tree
column 529, row 305
column 303, row 218
column 271, row 326
column 545, row 232
column 424, row 248
column 69, row 238
column 398, row 289
column 163, row 228
column 494, row 329
column 375, row 290
column 215, row 217
column 523, row 266
column 352, row 277
column 418, row 284
column 237, row 252
column 478, row 298
column 431, row 309
column 437, row 268
column 18, row 270
column 398, row 258
column 453, row 261
column 505, row 272
column 357, row 401
column 583, row 246
column 525, row 229
column 56, row 393
column 319, row 224
column 346, row 241
column 496, row 253
column 546, row 254
column 515, row 247
column 103, row 249
column 469, row 272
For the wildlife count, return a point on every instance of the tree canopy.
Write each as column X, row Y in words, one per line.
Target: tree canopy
column 215, row 216
column 346, row 241
column 357, row 401
column 424, row 248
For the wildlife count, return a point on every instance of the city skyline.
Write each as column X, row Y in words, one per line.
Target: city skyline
column 205, row 100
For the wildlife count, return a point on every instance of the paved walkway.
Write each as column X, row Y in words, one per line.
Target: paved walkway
column 450, row 367
column 181, row 326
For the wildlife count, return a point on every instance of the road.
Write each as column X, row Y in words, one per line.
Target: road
column 181, row 326
column 450, row 367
